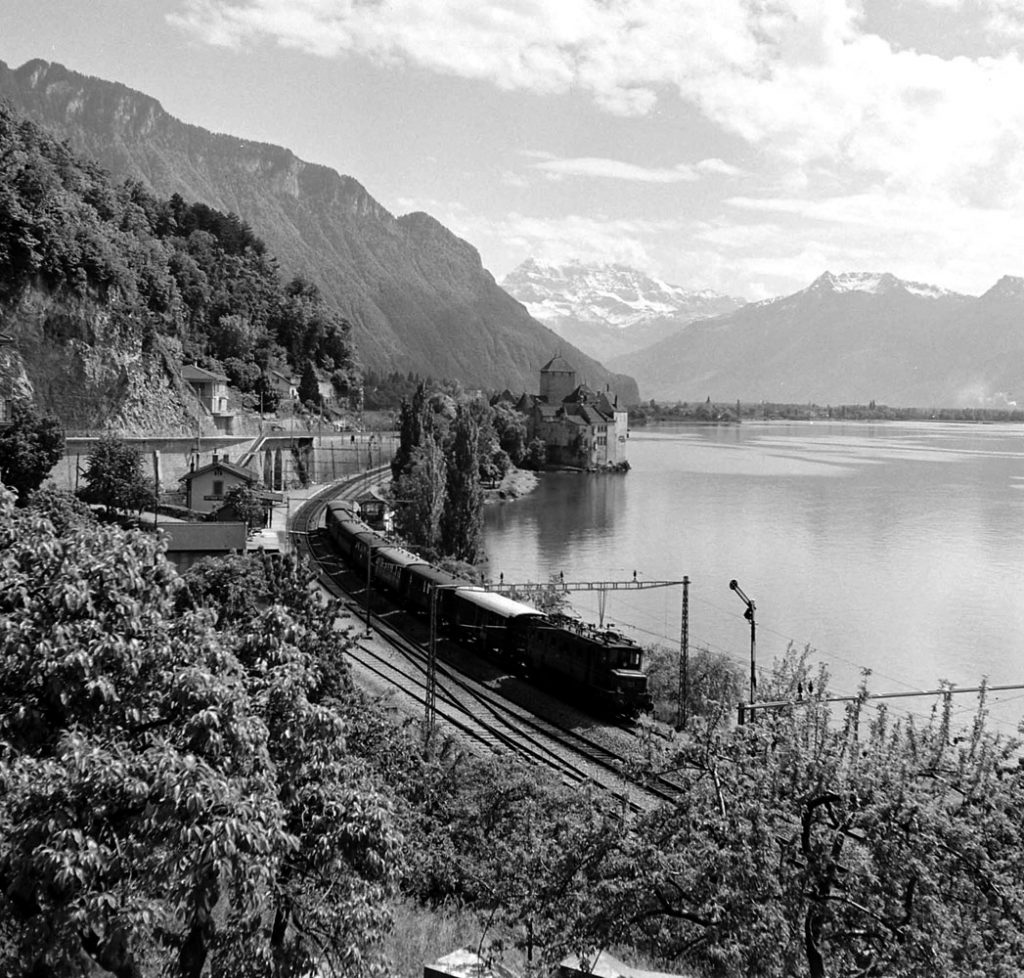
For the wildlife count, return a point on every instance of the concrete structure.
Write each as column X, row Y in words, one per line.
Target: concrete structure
column 206, row 487
column 582, row 428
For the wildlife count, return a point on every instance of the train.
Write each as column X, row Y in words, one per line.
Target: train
column 598, row 667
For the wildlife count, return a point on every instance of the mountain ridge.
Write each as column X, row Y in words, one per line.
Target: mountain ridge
column 849, row 338
column 419, row 300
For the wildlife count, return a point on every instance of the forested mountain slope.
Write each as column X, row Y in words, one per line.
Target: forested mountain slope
column 418, row 296
column 106, row 290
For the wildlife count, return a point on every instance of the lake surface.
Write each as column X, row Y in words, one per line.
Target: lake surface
column 893, row 547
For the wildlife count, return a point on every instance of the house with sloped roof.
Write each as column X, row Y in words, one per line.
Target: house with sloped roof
column 206, row 487
column 211, row 390
column 581, row 427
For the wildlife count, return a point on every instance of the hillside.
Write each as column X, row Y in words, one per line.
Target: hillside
column 417, row 296
column 106, row 291
column 850, row 338
column 609, row 310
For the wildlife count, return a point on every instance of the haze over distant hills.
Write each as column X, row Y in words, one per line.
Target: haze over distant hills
column 609, row 309
column 849, row 338
column 418, row 296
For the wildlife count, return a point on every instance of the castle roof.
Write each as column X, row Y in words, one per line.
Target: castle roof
column 558, row 365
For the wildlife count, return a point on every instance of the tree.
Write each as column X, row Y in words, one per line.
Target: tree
column 517, row 848
column 462, row 519
column 801, row 843
column 268, row 394
column 510, row 427
column 61, row 507
column 420, row 492
column 175, row 793
column 536, row 455
column 309, row 386
column 114, row 477
column 30, row 446
column 246, row 503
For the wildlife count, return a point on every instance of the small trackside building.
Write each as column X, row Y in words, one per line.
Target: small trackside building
column 206, row 487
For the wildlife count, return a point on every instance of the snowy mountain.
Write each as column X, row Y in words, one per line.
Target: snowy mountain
column 609, row 310
column 849, row 338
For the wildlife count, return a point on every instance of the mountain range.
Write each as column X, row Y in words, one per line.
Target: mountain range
column 418, row 296
column 849, row 338
column 609, row 310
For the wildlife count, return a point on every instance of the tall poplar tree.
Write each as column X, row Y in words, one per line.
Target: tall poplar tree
column 462, row 520
column 421, row 494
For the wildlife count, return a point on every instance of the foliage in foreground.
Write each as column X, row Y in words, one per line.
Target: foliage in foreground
column 189, row 785
column 805, row 844
column 176, row 793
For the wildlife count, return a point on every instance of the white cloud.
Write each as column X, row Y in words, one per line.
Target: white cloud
column 799, row 78
column 589, row 166
column 910, row 162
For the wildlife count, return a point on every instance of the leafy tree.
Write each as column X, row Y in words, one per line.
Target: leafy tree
column 517, row 848
column 114, row 477
column 61, row 507
column 536, row 455
column 510, row 427
column 806, row 844
column 246, row 503
column 30, row 446
column 175, row 796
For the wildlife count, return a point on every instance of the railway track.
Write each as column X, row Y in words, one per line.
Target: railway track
column 398, row 661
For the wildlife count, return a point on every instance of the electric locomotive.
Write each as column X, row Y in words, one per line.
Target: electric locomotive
column 600, row 667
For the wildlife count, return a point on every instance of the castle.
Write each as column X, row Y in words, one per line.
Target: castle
column 582, row 428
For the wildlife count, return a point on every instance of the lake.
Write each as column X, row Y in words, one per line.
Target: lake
column 897, row 548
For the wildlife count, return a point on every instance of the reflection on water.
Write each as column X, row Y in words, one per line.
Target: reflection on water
column 898, row 548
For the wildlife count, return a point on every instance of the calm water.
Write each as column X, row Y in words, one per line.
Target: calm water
column 898, row 548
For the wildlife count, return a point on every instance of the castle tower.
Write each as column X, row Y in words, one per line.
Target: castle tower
column 557, row 380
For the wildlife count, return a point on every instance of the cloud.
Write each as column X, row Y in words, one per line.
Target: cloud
column 589, row 166
column 914, row 156
column 800, row 79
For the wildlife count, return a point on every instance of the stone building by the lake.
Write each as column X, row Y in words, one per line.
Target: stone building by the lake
column 581, row 427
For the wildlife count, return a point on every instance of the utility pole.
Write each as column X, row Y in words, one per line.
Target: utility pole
column 684, row 657
column 369, row 569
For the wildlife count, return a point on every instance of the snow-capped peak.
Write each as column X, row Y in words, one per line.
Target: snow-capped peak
column 875, row 283
column 614, row 294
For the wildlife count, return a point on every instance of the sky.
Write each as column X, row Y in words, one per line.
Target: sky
column 744, row 146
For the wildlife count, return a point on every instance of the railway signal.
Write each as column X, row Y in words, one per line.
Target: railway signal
column 749, row 615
